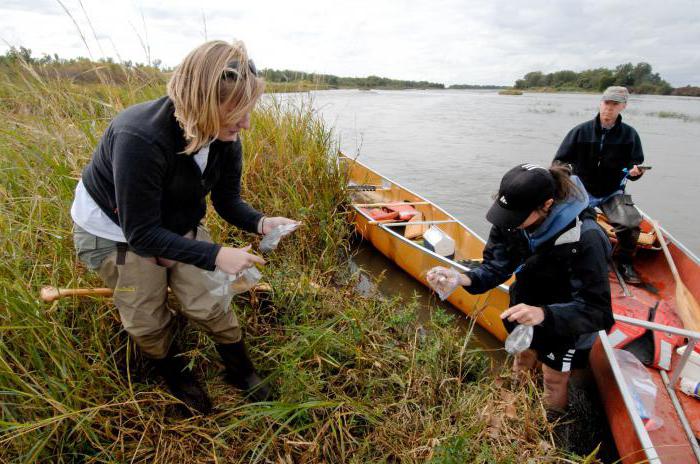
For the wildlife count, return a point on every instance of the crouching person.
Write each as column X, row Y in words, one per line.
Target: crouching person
column 139, row 206
column 544, row 232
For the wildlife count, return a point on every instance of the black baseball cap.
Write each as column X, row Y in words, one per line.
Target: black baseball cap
column 523, row 189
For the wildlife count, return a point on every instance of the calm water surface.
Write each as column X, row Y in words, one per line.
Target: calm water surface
column 453, row 146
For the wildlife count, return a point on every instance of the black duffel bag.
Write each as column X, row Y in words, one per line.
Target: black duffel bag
column 620, row 211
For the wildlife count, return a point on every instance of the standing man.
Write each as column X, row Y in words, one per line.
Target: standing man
column 604, row 152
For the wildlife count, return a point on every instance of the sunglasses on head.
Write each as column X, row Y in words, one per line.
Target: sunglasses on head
column 231, row 71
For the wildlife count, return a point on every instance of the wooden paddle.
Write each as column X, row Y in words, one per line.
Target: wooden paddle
column 688, row 307
column 50, row 294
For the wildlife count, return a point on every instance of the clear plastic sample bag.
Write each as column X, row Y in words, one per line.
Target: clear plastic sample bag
column 245, row 280
column 641, row 387
column 519, row 339
column 443, row 281
column 272, row 239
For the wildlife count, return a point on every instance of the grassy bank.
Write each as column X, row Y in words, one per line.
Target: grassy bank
column 674, row 115
column 356, row 379
column 510, row 92
column 547, row 89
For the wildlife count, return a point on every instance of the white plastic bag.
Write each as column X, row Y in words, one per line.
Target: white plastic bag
column 443, row 280
column 224, row 280
column 641, row 387
column 519, row 339
column 245, row 280
column 272, row 239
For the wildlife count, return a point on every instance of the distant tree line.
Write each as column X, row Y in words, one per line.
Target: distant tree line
column 369, row 82
column 81, row 70
column 85, row 70
column 638, row 78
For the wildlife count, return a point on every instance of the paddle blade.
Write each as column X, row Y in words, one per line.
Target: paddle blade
column 687, row 307
column 415, row 231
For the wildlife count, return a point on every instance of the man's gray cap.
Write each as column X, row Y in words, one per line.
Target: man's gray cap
column 616, row 93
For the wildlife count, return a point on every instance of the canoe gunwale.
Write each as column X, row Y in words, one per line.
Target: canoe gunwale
column 635, row 419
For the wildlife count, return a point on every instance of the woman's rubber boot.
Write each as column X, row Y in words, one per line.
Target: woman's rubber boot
column 182, row 383
column 240, row 371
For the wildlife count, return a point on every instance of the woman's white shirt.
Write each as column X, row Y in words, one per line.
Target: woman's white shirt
column 88, row 215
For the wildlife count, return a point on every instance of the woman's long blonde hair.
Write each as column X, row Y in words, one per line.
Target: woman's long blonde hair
column 215, row 75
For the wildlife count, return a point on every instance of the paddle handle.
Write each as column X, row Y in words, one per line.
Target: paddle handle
column 383, row 221
column 664, row 247
column 50, row 294
column 395, row 203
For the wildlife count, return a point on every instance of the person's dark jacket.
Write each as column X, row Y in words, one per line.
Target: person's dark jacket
column 568, row 280
column 140, row 178
column 599, row 156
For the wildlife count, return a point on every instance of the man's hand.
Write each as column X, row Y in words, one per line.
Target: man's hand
column 234, row 260
column 269, row 223
column 524, row 314
column 635, row 172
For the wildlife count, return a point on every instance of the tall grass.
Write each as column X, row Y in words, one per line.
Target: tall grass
column 356, row 381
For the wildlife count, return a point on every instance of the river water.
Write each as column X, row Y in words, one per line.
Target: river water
column 453, row 146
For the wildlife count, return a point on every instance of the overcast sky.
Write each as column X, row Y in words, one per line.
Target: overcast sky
column 448, row 41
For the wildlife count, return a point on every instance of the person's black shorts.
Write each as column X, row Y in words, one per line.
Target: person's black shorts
column 563, row 360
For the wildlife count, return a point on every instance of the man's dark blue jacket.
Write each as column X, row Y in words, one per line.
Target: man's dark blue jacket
column 599, row 155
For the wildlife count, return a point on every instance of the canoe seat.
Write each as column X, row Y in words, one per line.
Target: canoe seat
column 381, row 214
column 396, row 212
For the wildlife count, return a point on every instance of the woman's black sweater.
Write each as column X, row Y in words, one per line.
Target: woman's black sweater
column 140, row 178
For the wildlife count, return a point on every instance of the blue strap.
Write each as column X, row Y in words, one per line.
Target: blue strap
column 623, row 182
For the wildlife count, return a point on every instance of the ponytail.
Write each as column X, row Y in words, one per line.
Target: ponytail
column 564, row 186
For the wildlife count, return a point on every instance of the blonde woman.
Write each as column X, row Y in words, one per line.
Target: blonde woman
column 139, row 206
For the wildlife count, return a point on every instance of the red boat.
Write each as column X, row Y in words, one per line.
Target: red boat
column 675, row 441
